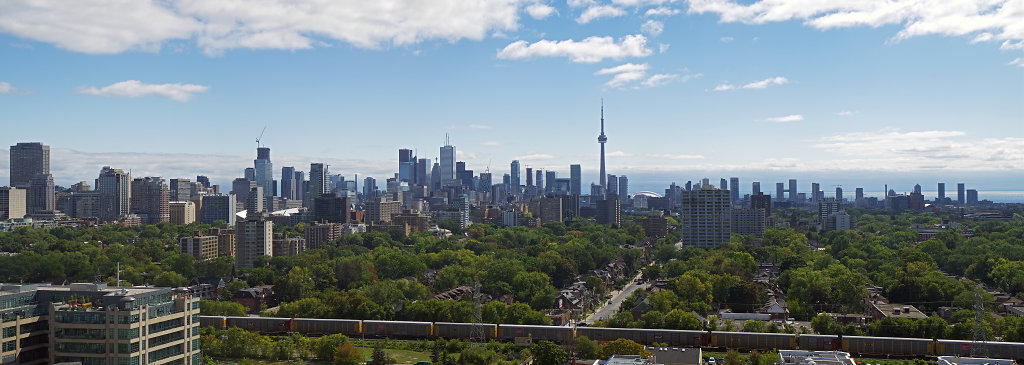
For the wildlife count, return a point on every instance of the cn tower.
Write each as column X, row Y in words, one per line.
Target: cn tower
column 602, row 139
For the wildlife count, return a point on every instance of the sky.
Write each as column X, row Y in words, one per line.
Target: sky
column 853, row 93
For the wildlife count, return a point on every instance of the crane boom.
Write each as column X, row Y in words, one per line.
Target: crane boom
column 260, row 137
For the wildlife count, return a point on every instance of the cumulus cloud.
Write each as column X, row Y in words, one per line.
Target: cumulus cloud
column 619, row 154
column 7, row 88
column 1017, row 62
column 599, row 11
column 652, row 27
column 490, row 143
column 1002, row 19
column 661, row 11
column 663, row 47
column 136, row 89
column 113, row 26
column 779, row 80
column 624, row 74
column 846, row 113
column 540, row 11
column 589, row 50
column 786, row 119
column 1008, row 46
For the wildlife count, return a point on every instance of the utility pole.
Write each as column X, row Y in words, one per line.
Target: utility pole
column 979, row 348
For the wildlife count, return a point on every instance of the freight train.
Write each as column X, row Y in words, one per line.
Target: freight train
column 857, row 345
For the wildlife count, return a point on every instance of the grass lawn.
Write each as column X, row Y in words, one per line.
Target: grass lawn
column 401, row 356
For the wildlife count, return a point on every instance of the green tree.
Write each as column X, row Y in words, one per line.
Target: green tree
column 623, row 346
column 548, row 353
column 586, row 347
column 348, row 355
column 378, row 357
column 733, row 358
column 295, row 284
column 170, row 279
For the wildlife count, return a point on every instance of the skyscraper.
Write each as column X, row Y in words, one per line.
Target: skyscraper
column 602, row 139
column 529, row 176
column 447, row 164
column 181, row 190
column 150, row 199
column 575, row 180
column 369, row 188
column 254, row 201
column 755, row 188
column 406, row 166
column 300, row 185
column 734, row 190
column 28, row 160
column 549, row 181
column 288, row 182
column 317, row 182
column 264, row 172
column 40, row 194
column 12, row 203
column 960, row 194
column 815, row 189
column 779, row 189
column 623, row 188
column 723, row 184
column 540, row 179
column 422, row 177
column 612, row 189
column 942, row 191
column 254, row 237
column 114, row 186
column 218, row 207
column 793, row 195
column 514, row 173
column 839, row 193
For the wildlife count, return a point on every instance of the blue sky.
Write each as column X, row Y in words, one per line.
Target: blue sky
column 860, row 92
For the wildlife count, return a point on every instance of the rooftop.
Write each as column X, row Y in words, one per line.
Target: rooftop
column 956, row 360
column 797, row 357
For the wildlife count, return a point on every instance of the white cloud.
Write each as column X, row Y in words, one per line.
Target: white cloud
column 1017, row 62
column 1001, row 18
column 786, row 119
column 624, row 74
column 490, row 143
column 726, row 39
column 619, row 154
column 599, row 11
column 535, row 157
column 659, row 80
column 580, row 3
column 465, row 155
column 663, row 47
column 661, row 11
column 589, row 50
column 1008, row 46
column 113, row 26
column 135, row 89
column 846, row 113
column 897, row 150
column 640, row 3
column 540, row 11
column 676, row 157
column 778, row 80
column 7, row 88
column 652, row 27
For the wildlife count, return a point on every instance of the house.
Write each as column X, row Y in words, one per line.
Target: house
column 255, row 298
column 879, row 310
column 208, row 288
column 676, row 355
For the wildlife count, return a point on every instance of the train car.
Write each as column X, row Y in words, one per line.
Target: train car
column 820, row 343
column 399, row 329
column 687, row 338
column 559, row 334
column 887, row 346
column 261, row 324
column 753, row 341
column 218, row 322
column 463, row 330
column 611, row 334
column 995, row 350
column 646, row 336
column 316, row 326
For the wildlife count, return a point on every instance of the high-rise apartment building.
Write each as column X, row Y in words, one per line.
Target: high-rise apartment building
column 529, row 176
column 28, row 160
column 319, row 234
column 608, row 210
column 254, row 201
column 114, row 186
column 380, row 210
column 942, row 191
column 182, row 212
column 94, row 324
column 422, row 167
column 763, row 202
column 369, row 188
column 550, row 209
column 331, row 208
column 780, row 188
column 150, row 200
column 540, row 179
column 839, row 193
column 218, row 207
column 960, row 197
column 550, row 181
column 734, row 189
column 747, row 221
column 612, row 187
column 623, row 188
column 485, row 182
column 202, row 179
column 755, row 188
column 972, row 197
column 201, row 247
column 827, row 207
column 12, row 203
column 40, row 194
column 793, row 192
column 706, row 217
column 254, row 237
column 575, row 180
column 514, row 173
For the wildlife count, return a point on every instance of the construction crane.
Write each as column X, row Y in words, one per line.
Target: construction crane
column 260, row 137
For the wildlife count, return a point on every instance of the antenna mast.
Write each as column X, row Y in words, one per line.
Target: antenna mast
column 478, row 335
column 979, row 348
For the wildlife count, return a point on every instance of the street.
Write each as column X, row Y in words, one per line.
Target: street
column 612, row 305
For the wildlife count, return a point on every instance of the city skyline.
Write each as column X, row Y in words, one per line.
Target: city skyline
column 836, row 93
